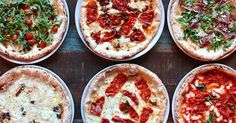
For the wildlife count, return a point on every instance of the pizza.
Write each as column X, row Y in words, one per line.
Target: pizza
column 119, row 29
column 31, row 29
column 29, row 94
column 207, row 95
column 125, row 93
column 204, row 29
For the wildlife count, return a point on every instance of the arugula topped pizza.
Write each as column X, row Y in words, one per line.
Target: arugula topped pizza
column 204, row 29
column 125, row 93
column 119, row 29
column 31, row 29
column 207, row 95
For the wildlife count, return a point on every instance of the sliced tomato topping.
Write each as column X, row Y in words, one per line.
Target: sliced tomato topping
column 137, row 36
column 121, row 5
column 147, row 18
column 146, row 113
column 29, row 36
column 116, row 85
column 55, row 29
column 42, row 45
column 14, row 38
column 128, row 25
column 29, row 22
column 118, row 119
column 17, row 32
column 145, row 91
column 31, row 42
column 104, row 120
column 97, row 106
column 127, row 108
column 131, row 95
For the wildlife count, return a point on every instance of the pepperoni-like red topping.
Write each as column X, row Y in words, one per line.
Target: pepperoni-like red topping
column 137, row 36
column 115, row 20
column 116, row 85
column 206, row 92
column 145, row 91
column 96, row 36
column 121, row 5
column 97, row 106
column 131, row 95
column 104, row 21
column 146, row 113
column 121, row 120
column 92, row 5
column 147, row 17
column 108, row 36
column 128, row 25
column 127, row 108
column 104, row 120
column 92, row 12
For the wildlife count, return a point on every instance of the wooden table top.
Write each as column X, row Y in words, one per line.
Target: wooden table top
column 76, row 65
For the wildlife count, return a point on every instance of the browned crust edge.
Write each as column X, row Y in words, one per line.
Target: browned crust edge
column 95, row 83
column 46, row 51
column 104, row 54
column 43, row 76
column 189, row 77
column 190, row 52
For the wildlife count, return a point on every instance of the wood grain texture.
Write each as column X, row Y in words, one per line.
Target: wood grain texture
column 76, row 65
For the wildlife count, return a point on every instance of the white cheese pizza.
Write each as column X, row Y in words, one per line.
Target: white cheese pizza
column 32, row 95
column 207, row 95
column 31, row 29
column 119, row 29
column 204, row 29
column 125, row 93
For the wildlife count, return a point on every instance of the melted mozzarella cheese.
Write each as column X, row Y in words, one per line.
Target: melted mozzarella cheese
column 111, row 105
column 21, row 107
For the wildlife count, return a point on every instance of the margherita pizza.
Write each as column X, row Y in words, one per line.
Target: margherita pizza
column 204, row 29
column 125, row 93
column 30, row 94
column 207, row 95
column 31, row 29
column 119, row 29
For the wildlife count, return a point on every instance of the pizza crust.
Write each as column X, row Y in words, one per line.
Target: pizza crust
column 188, row 79
column 100, row 80
column 43, row 76
column 106, row 49
column 187, row 46
column 35, row 53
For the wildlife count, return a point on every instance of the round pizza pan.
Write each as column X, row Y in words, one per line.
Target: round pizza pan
column 61, row 82
column 85, row 93
column 185, row 51
column 186, row 77
column 53, row 51
column 141, row 53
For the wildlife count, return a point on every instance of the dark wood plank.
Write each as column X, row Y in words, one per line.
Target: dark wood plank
column 76, row 65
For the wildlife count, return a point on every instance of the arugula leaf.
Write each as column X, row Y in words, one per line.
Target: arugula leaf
column 211, row 118
column 228, row 44
column 201, row 87
column 234, row 28
column 232, row 107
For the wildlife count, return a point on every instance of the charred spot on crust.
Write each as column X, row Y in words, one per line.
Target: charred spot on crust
column 6, row 116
